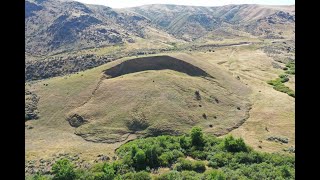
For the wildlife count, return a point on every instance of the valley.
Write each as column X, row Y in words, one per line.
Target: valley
column 162, row 74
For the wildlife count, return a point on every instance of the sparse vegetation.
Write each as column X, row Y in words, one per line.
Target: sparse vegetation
column 278, row 139
column 279, row 86
column 290, row 67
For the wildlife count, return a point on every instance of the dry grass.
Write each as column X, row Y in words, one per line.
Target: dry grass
column 271, row 109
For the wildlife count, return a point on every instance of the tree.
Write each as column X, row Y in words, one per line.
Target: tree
column 63, row 170
column 197, row 137
column 140, row 160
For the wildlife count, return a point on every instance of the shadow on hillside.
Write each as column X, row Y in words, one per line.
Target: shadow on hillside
column 155, row 63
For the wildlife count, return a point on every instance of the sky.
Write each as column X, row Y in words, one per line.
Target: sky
column 132, row 3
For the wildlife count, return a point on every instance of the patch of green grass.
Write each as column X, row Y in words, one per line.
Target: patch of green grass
column 290, row 67
column 279, row 86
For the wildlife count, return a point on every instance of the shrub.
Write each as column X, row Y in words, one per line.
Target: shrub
column 172, row 175
column 183, row 164
column 138, row 122
column 198, row 154
column 191, row 175
column 39, row 177
column 197, row 137
column 214, row 175
column 235, row 145
column 140, row 160
column 185, row 142
column 63, row 170
column 197, row 94
column 220, row 159
column 198, row 166
column 142, row 175
column 166, row 158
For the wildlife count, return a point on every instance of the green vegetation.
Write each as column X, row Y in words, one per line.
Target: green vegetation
column 290, row 67
column 63, row 169
column 279, row 86
column 229, row 158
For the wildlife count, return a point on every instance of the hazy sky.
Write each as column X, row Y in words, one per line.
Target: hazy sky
column 131, row 3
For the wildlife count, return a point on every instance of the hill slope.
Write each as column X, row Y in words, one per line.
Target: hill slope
column 56, row 26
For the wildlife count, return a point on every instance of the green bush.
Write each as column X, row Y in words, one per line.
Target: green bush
column 198, row 166
column 197, row 154
column 142, row 175
column 188, row 165
column 197, row 137
column 171, row 175
column 235, row 145
column 183, row 164
column 191, row 175
column 63, row 170
column 140, row 159
column 39, row 177
column 220, row 159
column 166, row 159
column 214, row 175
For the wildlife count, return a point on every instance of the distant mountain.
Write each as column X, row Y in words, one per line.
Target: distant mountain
column 191, row 22
column 55, row 26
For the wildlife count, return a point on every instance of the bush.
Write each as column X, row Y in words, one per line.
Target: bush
column 140, row 160
column 185, row 142
column 187, row 165
column 166, row 159
column 171, row 175
column 191, row 175
column 197, row 94
column 220, row 159
column 198, row 166
column 39, row 177
column 214, row 175
column 197, row 137
column 197, row 154
column 183, row 164
column 63, row 170
column 235, row 145
column 142, row 175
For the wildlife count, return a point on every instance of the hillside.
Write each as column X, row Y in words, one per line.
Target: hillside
column 54, row 26
column 192, row 22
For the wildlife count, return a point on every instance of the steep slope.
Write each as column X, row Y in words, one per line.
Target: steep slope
column 57, row 26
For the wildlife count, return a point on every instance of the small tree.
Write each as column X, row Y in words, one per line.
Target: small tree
column 63, row 170
column 140, row 159
column 197, row 137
